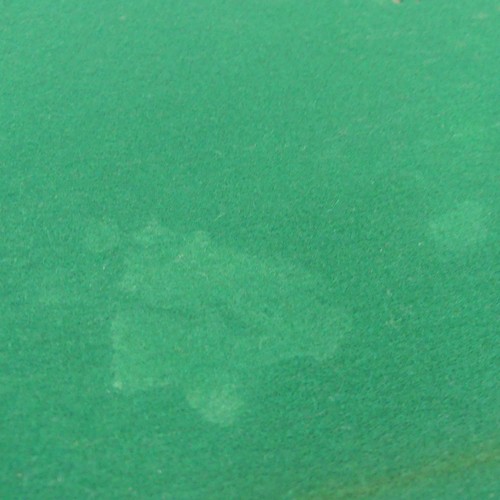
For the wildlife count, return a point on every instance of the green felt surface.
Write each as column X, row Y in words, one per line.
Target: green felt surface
column 249, row 249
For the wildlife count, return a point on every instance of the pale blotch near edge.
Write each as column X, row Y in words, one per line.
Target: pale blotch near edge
column 461, row 228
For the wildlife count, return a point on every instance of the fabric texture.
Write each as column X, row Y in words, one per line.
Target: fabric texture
column 249, row 249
